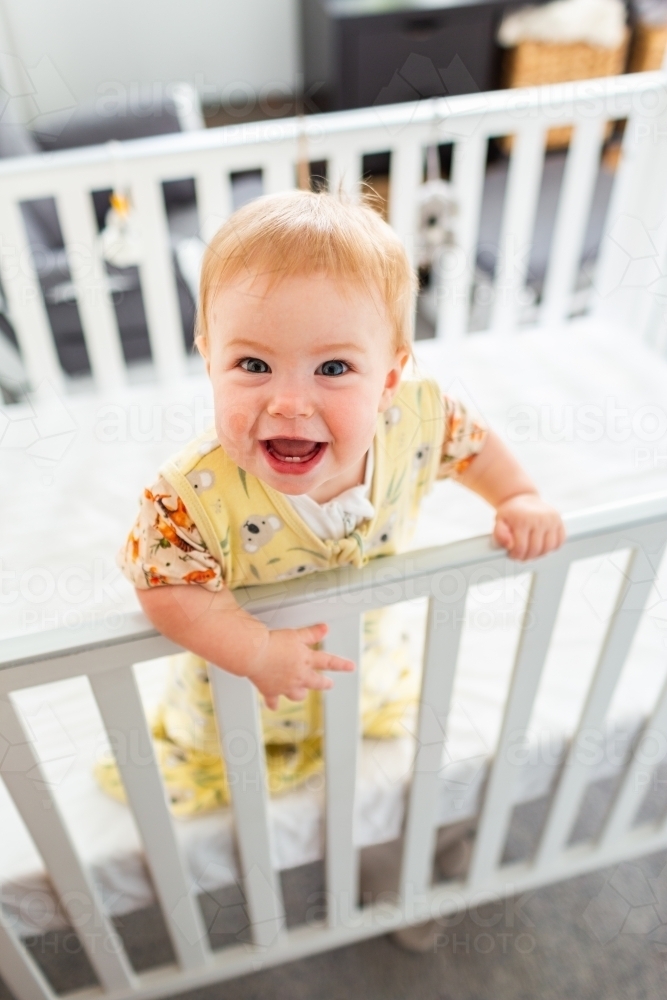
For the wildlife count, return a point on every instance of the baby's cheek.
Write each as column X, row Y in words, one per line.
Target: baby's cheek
column 233, row 424
column 354, row 430
column 235, row 420
column 239, row 422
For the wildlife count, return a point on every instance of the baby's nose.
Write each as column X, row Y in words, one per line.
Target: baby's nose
column 291, row 402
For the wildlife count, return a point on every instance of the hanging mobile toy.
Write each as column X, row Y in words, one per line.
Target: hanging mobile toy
column 120, row 241
column 436, row 207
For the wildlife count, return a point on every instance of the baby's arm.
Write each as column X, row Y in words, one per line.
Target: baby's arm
column 525, row 525
column 213, row 626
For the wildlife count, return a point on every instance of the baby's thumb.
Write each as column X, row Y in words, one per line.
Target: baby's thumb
column 502, row 534
column 312, row 633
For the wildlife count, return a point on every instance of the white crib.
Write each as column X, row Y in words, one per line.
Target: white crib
column 627, row 287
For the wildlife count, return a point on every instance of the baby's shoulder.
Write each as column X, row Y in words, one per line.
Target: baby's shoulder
column 205, row 447
column 417, row 399
column 201, row 467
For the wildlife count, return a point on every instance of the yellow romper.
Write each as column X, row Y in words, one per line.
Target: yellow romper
column 215, row 525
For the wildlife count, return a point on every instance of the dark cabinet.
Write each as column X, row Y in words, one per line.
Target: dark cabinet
column 358, row 53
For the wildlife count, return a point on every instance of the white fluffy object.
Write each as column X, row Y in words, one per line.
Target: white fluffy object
column 435, row 208
column 596, row 22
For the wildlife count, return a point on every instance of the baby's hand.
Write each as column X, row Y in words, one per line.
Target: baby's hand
column 288, row 665
column 528, row 527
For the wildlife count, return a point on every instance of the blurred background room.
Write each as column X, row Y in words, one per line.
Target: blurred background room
column 520, row 152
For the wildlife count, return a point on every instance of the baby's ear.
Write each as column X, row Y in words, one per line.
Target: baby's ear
column 393, row 379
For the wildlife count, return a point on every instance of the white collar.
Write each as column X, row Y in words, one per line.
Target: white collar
column 340, row 516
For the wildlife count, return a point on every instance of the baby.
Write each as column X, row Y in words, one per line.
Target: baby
column 320, row 455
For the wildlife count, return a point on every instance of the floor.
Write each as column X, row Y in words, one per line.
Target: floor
column 557, row 943
column 599, row 935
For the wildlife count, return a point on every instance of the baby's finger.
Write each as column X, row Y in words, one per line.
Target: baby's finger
column 551, row 540
column 312, row 633
column 520, row 546
column 502, row 533
column 536, row 544
column 297, row 694
column 327, row 661
column 271, row 703
column 318, row 682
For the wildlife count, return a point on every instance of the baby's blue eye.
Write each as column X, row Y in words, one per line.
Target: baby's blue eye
column 332, row 368
column 255, row 365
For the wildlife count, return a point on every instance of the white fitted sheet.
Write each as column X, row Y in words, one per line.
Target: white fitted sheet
column 70, row 514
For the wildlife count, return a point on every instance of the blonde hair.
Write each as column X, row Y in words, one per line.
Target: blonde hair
column 302, row 233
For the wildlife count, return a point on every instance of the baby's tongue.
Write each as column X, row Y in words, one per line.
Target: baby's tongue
column 291, row 448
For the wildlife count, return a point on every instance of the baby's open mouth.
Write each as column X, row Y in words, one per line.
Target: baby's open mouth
column 295, row 454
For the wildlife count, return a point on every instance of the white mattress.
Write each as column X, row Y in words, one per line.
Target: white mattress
column 69, row 488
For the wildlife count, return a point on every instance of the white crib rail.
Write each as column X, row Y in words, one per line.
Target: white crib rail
column 639, row 203
column 237, row 713
column 338, row 597
column 120, row 706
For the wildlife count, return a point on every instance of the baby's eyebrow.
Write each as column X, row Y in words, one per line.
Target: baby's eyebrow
column 340, row 348
column 251, row 344
column 330, row 350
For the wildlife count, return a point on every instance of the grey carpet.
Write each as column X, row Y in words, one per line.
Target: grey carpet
column 600, row 935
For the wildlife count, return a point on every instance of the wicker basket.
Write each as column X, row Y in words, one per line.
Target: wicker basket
column 531, row 64
column 649, row 42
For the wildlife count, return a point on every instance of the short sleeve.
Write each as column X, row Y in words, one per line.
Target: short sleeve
column 463, row 438
column 165, row 546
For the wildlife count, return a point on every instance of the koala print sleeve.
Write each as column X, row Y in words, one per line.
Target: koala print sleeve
column 462, row 440
column 165, row 546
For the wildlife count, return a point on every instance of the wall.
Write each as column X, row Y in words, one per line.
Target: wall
column 228, row 48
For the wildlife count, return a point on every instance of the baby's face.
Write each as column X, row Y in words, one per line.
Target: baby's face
column 300, row 372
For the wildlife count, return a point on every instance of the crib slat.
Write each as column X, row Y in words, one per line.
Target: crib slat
column 656, row 334
column 278, row 173
column 98, row 318
column 631, row 792
column 581, row 169
column 523, row 188
column 214, row 199
column 537, row 628
column 237, row 713
column 443, row 636
column 628, row 173
column 468, row 165
column 122, row 712
column 620, row 633
column 404, row 179
column 632, row 246
column 23, row 977
column 29, row 788
column 157, row 280
column 24, row 297
column 344, row 170
column 341, row 749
